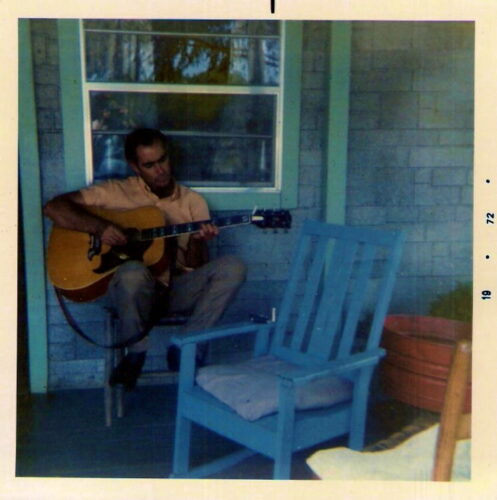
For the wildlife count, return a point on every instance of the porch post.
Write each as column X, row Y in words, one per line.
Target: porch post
column 338, row 122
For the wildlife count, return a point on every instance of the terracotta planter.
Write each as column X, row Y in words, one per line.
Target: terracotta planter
column 419, row 353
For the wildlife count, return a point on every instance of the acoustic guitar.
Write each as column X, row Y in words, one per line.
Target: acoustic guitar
column 80, row 266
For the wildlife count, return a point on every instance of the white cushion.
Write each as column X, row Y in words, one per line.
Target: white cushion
column 251, row 388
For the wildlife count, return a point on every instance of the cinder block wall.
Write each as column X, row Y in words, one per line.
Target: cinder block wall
column 411, row 149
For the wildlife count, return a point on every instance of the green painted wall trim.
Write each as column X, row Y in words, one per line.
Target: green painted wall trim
column 72, row 103
column 291, row 120
column 32, row 219
column 338, row 122
column 73, row 122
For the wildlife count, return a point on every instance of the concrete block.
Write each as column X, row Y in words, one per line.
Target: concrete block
column 311, row 176
column 441, row 249
column 390, row 35
column 456, row 137
column 369, row 216
column 61, row 351
column 423, row 175
column 399, row 110
column 363, row 120
column 443, row 79
column 311, row 158
column 414, row 232
column 47, row 96
column 446, row 110
column 446, row 156
column 461, row 249
column 51, row 145
column 360, row 196
column 78, row 374
column 416, row 259
column 449, row 232
column 314, row 99
column 418, row 137
column 367, row 102
column 60, row 333
column 362, row 139
column 394, row 186
column 449, row 176
column 399, row 214
column 470, row 175
column 447, row 35
column 361, row 60
column 436, row 213
column 362, row 36
column 381, row 80
column 361, row 176
column 307, row 60
column 39, row 48
column 405, row 59
column 450, row 267
column 46, row 74
column 467, row 195
column 308, row 121
column 375, row 157
column 320, row 61
column 309, row 196
column 313, row 80
column 311, row 140
column 440, row 195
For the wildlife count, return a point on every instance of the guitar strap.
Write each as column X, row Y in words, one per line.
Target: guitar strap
column 74, row 325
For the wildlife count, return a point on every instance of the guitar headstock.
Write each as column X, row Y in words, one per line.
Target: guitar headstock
column 272, row 219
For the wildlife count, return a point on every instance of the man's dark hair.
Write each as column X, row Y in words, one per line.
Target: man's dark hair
column 143, row 137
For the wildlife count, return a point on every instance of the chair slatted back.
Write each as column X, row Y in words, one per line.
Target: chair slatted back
column 329, row 291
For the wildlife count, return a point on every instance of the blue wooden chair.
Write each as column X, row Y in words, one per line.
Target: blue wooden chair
column 309, row 375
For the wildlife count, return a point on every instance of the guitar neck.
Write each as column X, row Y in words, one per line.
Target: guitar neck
column 192, row 227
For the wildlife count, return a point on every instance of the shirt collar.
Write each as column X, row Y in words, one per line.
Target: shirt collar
column 175, row 195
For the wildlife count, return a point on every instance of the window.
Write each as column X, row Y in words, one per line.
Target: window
column 225, row 92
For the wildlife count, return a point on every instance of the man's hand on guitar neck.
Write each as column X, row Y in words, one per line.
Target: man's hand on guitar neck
column 207, row 232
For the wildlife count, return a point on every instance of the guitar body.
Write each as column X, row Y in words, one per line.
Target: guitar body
column 82, row 277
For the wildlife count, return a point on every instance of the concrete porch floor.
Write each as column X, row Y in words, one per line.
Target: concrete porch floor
column 63, row 434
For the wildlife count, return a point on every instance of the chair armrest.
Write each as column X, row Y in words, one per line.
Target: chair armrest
column 301, row 376
column 216, row 333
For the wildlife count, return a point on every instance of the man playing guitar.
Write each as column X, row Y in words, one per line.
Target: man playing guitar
column 189, row 284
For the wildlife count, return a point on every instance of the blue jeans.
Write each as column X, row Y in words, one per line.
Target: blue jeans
column 205, row 293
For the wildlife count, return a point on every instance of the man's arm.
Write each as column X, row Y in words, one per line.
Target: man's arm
column 68, row 211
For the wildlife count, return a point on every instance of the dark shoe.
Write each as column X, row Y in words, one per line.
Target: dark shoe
column 174, row 356
column 128, row 370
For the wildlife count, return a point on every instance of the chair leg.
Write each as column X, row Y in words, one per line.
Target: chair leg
column 108, row 366
column 359, row 410
column 181, row 457
column 284, row 433
column 283, row 466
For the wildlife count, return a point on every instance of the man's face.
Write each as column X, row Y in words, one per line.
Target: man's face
column 152, row 165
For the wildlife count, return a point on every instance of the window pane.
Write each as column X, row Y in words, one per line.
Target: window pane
column 225, row 27
column 117, row 57
column 223, row 139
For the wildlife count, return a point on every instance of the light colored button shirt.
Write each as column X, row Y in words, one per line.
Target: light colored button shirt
column 184, row 205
